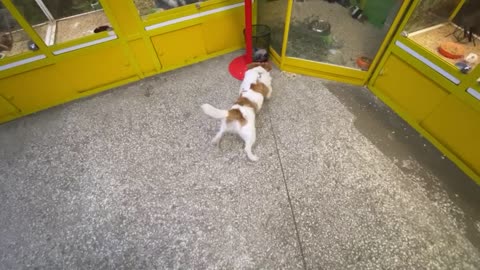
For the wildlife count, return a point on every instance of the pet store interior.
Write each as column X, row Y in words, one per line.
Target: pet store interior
column 369, row 147
column 362, row 42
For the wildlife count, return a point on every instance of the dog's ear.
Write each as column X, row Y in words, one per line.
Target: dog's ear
column 266, row 65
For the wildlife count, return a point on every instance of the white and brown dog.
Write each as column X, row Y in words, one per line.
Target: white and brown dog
column 240, row 119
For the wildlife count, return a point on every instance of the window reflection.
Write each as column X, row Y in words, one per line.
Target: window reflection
column 146, row 7
column 58, row 21
column 13, row 39
column 272, row 13
column 451, row 36
column 343, row 33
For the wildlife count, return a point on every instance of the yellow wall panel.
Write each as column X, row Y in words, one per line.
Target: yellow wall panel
column 136, row 53
column 143, row 56
column 36, row 89
column 100, row 67
column 411, row 90
column 6, row 108
column 223, row 31
column 125, row 17
column 180, row 47
column 457, row 126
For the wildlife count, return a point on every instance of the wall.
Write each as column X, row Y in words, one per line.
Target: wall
column 212, row 29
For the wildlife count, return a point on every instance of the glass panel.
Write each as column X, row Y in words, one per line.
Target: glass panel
column 272, row 13
column 66, row 8
column 146, row 7
column 58, row 21
column 468, row 18
column 13, row 39
column 452, row 39
column 341, row 32
column 429, row 13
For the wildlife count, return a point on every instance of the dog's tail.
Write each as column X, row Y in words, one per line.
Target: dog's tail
column 214, row 112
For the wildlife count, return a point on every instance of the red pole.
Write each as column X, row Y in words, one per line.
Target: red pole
column 248, row 30
column 239, row 65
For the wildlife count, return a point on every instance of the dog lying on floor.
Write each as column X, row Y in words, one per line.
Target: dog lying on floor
column 240, row 119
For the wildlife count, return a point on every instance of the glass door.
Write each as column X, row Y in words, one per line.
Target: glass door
column 272, row 13
column 346, row 33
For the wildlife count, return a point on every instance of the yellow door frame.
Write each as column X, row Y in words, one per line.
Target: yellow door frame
column 330, row 71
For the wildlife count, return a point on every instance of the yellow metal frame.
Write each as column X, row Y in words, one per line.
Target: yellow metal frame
column 457, row 9
column 330, row 71
column 353, row 76
column 452, row 90
column 432, row 139
column 133, row 49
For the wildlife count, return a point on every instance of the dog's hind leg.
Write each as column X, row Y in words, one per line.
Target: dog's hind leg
column 269, row 94
column 216, row 140
column 249, row 141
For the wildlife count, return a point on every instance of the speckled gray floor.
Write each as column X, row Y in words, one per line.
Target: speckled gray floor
column 127, row 179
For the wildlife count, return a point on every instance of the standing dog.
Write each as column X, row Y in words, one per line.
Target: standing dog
column 240, row 119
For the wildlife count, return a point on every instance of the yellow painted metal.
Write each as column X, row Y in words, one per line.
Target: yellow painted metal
column 457, row 127
column 6, row 108
column 417, row 95
column 199, row 59
column 430, row 56
column 221, row 25
column 30, row 91
column 310, row 72
column 24, row 68
column 331, row 72
column 426, row 70
column 388, row 39
column 134, row 54
column 174, row 53
column 427, row 135
column 139, row 53
column 443, row 112
column 334, row 72
column 420, row 67
column 274, row 56
column 286, row 30
column 457, row 9
column 471, row 81
column 18, row 57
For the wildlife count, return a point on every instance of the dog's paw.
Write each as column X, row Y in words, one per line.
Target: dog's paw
column 253, row 158
column 215, row 142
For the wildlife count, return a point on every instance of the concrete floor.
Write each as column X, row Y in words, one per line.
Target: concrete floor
column 127, row 179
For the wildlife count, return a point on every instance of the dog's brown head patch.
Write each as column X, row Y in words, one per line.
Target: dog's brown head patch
column 236, row 115
column 266, row 65
column 259, row 88
column 243, row 101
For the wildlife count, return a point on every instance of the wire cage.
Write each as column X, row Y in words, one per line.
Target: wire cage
column 261, row 35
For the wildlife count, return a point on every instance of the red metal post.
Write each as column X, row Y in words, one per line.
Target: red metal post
column 238, row 66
